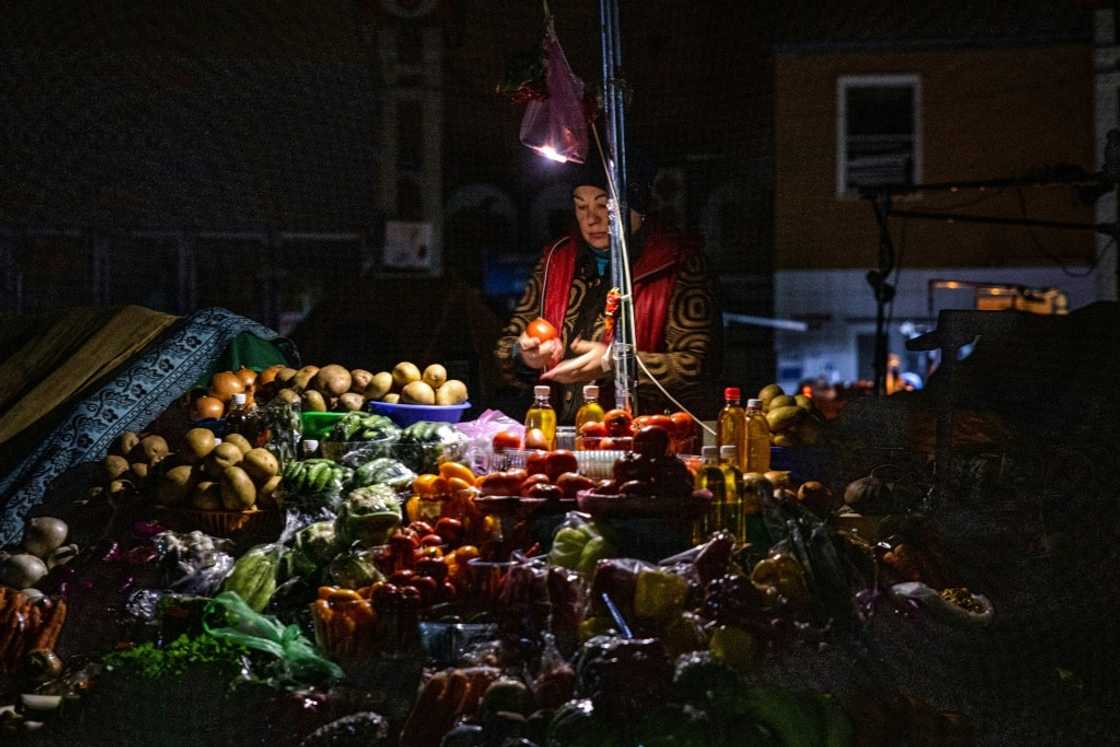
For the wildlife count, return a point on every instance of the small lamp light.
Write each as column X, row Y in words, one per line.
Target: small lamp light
column 555, row 126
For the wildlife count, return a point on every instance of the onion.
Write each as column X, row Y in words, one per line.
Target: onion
column 226, row 384
column 22, row 570
column 44, row 535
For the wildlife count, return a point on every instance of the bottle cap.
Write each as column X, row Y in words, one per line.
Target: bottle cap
column 731, row 392
column 754, row 403
column 729, row 452
column 541, row 391
column 591, row 391
column 239, row 399
column 709, row 453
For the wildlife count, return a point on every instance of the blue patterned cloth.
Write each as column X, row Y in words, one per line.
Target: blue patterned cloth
column 145, row 387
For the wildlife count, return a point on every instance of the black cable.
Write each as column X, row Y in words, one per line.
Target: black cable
column 968, row 203
column 897, row 273
column 1053, row 257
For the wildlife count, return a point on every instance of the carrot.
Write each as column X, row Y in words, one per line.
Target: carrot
column 34, row 621
column 10, row 626
column 48, row 636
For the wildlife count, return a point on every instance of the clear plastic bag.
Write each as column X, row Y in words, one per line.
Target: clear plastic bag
column 556, row 126
column 580, row 543
column 480, row 434
column 193, row 562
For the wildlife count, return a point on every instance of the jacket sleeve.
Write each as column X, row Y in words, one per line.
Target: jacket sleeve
column 507, row 353
column 693, row 341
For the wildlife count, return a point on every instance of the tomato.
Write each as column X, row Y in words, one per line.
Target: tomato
column 639, row 422
column 545, row 490
column 572, row 483
column 451, row 530
column 593, row 428
column 682, row 425
column 558, row 462
column 661, row 421
column 605, row 444
column 537, row 463
column 531, row 480
column 652, row 442
column 506, row 440
column 617, row 423
column 498, row 483
column 541, row 329
column 535, row 439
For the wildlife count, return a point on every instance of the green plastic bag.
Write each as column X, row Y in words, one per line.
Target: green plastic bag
column 297, row 657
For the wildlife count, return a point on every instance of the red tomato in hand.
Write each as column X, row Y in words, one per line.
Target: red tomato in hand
column 506, row 440
column 617, row 423
column 541, row 329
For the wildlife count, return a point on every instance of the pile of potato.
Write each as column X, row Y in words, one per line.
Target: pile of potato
column 408, row 386
column 131, row 461
column 215, row 475
column 793, row 420
column 333, row 388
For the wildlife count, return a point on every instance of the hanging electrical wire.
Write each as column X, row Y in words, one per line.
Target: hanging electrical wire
column 1091, row 267
column 619, row 227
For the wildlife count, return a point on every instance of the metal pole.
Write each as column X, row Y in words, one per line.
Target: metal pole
column 622, row 352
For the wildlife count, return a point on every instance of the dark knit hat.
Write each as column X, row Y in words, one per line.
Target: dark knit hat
column 640, row 173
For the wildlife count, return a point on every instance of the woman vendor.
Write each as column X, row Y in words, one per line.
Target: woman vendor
column 679, row 331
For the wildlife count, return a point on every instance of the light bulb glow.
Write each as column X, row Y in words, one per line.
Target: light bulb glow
column 550, row 153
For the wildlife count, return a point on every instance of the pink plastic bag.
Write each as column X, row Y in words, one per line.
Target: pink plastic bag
column 481, row 433
column 556, row 127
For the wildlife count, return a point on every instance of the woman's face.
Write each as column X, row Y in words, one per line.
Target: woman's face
column 591, row 211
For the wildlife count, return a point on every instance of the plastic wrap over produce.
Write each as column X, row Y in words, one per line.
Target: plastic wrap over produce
column 480, row 434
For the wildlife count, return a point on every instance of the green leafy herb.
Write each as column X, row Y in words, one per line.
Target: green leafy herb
column 153, row 662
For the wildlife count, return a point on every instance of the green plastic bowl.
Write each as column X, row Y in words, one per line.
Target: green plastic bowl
column 318, row 424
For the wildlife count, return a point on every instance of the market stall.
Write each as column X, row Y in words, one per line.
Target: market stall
column 329, row 555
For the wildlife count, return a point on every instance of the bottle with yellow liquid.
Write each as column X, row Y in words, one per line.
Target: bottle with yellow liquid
column 590, row 411
column 731, row 428
column 541, row 416
column 758, row 438
column 715, row 479
column 734, row 518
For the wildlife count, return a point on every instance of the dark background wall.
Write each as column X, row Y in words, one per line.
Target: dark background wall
column 986, row 114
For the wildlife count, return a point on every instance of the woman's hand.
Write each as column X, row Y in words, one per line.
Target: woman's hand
column 591, row 362
column 540, row 355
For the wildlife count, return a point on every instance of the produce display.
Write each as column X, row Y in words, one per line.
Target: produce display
column 793, row 420
column 414, row 592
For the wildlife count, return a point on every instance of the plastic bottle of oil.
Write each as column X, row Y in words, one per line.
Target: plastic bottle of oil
column 757, row 492
column 734, row 518
column 590, row 411
column 713, row 478
column 731, row 427
column 542, row 416
column 758, row 438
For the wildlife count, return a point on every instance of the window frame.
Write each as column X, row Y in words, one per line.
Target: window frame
column 845, row 82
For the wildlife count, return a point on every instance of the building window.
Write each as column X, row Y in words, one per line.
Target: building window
column 878, row 128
